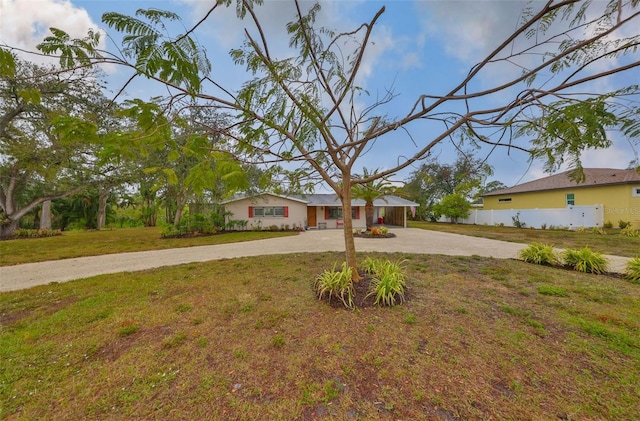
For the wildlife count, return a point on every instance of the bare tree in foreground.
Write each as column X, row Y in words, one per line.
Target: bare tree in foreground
column 307, row 109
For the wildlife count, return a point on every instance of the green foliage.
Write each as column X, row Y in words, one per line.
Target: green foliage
column 629, row 231
column 369, row 264
column 584, row 260
column 453, row 206
column 632, row 270
column 35, row 233
column 7, row 63
column 432, row 181
column 79, row 211
column 178, row 158
column 540, row 254
column 175, row 60
column 336, row 284
column 233, row 224
column 623, row 224
column 383, row 230
column 193, row 224
column 552, row 290
column 371, row 190
column 277, row 341
column 567, row 129
column 49, row 135
column 389, row 281
column 128, row 329
column 72, row 52
column 516, row 221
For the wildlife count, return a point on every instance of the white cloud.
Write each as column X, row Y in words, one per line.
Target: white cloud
column 469, row 30
column 228, row 31
column 25, row 23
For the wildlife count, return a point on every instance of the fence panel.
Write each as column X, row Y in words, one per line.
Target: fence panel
column 569, row 217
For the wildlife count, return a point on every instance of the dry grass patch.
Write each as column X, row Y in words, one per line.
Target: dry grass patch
column 246, row 338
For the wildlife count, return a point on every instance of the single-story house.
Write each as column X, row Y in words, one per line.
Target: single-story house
column 618, row 191
column 313, row 211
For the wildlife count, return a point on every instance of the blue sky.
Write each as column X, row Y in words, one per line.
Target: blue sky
column 418, row 47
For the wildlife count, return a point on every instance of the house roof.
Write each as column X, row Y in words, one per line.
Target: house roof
column 593, row 177
column 332, row 200
column 244, row 196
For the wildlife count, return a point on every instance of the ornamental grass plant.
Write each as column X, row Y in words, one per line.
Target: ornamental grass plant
column 632, row 271
column 388, row 283
column 540, row 254
column 585, row 260
column 336, row 284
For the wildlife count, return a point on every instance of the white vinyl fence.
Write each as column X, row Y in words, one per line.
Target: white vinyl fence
column 570, row 217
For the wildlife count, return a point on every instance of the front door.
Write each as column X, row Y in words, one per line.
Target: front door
column 311, row 216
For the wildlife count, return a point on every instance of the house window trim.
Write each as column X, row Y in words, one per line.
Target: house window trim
column 268, row 211
column 504, row 200
column 570, row 201
column 635, row 191
column 355, row 212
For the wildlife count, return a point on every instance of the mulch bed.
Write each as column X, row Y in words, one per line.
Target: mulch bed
column 368, row 235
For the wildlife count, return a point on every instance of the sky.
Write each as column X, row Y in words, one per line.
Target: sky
column 417, row 47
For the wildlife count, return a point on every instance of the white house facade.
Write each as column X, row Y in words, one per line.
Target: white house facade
column 316, row 211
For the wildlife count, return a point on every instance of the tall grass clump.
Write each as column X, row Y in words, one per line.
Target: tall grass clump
column 632, row 270
column 586, row 261
column 338, row 284
column 370, row 265
column 389, row 281
column 629, row 231
column 540, row 254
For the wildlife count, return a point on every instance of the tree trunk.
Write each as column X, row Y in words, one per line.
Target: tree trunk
column 349, row 242
column 178, row 216
column 181, row 202
column 6, row 231
column 368, row 210
column 45, row 215
column 102, row 207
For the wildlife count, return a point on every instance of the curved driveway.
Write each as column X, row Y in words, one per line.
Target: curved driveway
column 407, row 240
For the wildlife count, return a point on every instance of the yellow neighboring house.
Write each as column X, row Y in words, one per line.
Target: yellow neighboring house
column 617, row 190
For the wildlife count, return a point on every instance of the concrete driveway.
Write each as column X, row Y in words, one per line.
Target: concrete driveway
column 407, row 240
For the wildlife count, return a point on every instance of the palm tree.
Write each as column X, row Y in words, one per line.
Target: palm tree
column 370, row 191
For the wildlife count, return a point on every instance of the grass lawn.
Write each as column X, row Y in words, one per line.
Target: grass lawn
column 611, row 243
column 93, row 243
column 479, row 338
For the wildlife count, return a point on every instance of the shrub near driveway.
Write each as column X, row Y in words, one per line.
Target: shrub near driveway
column 585, row 260
column 476, row 338
column 540, row 254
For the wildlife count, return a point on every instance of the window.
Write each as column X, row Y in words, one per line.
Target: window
column 571, row 201
column 505, row 199
column 268, row 211
column 335, row 212
column 635, row 192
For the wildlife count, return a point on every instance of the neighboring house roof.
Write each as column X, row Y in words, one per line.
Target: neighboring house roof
column 593, row 177
column 333, row 200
